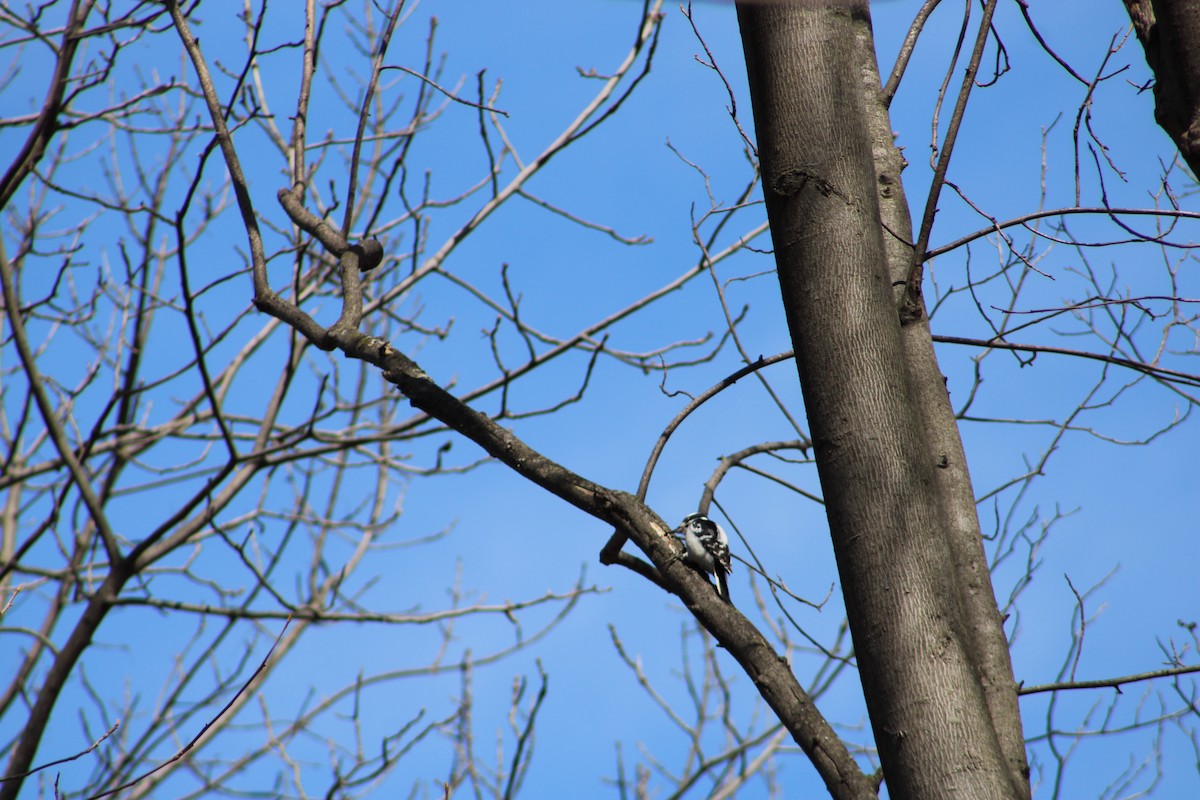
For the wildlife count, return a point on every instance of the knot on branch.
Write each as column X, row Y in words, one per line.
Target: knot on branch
column 369, row 251
column 370, row 254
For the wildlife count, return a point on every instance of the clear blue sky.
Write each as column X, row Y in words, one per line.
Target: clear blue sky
column 1130, row 510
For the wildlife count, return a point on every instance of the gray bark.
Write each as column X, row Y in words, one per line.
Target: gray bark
column 927, row 634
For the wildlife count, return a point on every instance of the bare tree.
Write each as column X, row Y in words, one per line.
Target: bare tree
column 172, row 454
column 217, row 488
column 927, row 630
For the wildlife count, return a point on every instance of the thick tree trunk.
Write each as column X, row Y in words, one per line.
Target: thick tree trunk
column 927, row 634
column 982, row 623
column 1169, row 31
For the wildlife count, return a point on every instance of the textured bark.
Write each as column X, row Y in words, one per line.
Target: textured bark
column 1169, row 31
column 926, row 630
column 955, row 496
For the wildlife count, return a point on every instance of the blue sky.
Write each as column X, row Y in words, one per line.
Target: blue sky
column 1129, row 511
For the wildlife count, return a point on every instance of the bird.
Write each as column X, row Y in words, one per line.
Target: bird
column 708, row 549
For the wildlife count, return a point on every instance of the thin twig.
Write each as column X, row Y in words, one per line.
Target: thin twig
column 916, row 274
column 1114, row 683
column 184, row 750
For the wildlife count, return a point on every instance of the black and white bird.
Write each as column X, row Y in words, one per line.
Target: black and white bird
column 708, row 548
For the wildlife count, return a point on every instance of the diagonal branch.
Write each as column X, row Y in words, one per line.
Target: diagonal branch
column 31, row 152
column 916, row 274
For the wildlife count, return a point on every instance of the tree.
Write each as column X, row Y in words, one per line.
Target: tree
column 927, row 629
column 1168, row 31
column 207, row 496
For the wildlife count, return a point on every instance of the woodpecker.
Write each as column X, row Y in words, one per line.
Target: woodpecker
column 708, row 548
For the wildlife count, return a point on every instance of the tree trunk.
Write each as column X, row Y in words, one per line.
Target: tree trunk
column 931, row 650
column 1169, row 31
